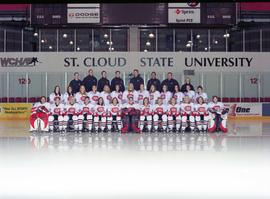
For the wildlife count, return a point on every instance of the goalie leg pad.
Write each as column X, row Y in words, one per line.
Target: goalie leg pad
column 223, row 124
column 212, row 124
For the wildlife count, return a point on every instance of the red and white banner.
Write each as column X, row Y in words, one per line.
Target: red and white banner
column 244, row 109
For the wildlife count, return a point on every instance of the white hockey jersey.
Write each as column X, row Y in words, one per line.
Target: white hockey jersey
column 203, row 95
column 179, row 97
column 187, row 108
column 128, row 94
column 146, row 110
column 218, row 107
column 106, row 97
column 141, row 96
column 57, row 110
column 100, row 109
column 190, row 94
column 94, row 97
column 166, row 97
column 72, row 109
column 66, row 98
column 201, row 108
column 52, row 98
column 160, row 109
column 118, row 95
column 153, row 97
column 128, row 105
column 80, row 97
column 114, row 110
column 174, row 109
column 87, row 108
column 38, row 105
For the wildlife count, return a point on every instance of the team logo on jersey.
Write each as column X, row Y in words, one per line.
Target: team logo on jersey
column 83, row 98
column 120, row 96
column 55, row 98
column 201, row 109
column 217, row 108
column 173, row 109
column 95, row 98
column 140, row 97
column 57, row 110
column 130, row 95
column 115, row 109
column 109, row 97
column 100, row 109
column 146, row 110
column 188, row 108
column 159, row 109
column 85, row 109
column 71, row 110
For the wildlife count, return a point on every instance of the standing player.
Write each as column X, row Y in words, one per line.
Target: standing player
column 56, row 116
column 71, row 113
column 85, row 118
column 114, row 122
column 56, row 94
column 39, row 115
column 218, row 116
column 81, row 95
column 159, row 111
column 200, row 93
column 153, row 94
column 94, row 95
column 129, row 93
column 202, row 116
column 165, row 94
column 117, row 93
column 187, row 113
column 146, row 115
column 67, row 95
column 100, row 114
column 174, row 117
column 142, row 93
column 106, row 95
column 178, row 95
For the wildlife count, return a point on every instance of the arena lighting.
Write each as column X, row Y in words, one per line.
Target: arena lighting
column 78, row 48
column 216, row 41
column 64, row 35
column 205, row 48
column 50, row 47
column 145, row 50
column 109, row 42
column 71, row 42
column 111, row 49
column 42, row 41
column 106, row 35
column 151, row 35
column 200, row 41
column 188, row 45
column 198, row 36
column 35, row 34
column 148, row 43
column 189, row 42
column 226, row 35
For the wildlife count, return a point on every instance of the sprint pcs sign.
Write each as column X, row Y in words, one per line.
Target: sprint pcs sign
column 127, row 61
column 244, row 109
column 184, row 13
column 83, row 13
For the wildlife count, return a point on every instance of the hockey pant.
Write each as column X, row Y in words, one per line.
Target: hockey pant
column 114, row 120
column 202, row 121
column 188, row 120
column 218, row 121
column 145, row 121
column 56, row 122
column 39, row 119
column 174, row 121
column 85, row 121
column 159, row 118
column 100, row 122
column 70, row 122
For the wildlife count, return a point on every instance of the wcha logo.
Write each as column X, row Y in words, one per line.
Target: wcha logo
column 19, row 61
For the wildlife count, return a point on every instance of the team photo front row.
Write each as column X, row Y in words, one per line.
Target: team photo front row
column 129, row 111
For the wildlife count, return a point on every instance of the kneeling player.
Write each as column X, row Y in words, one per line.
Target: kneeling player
column 160, row 117
column 39, row 115
column 130, row 116
column 114, row 122
column 100, row 113
column 56, row 119
column 146, row 115
column 187, row 112
column 202, row 115
column 85, row 118
column 218, row 116
column 174, row 117
column 71, row 115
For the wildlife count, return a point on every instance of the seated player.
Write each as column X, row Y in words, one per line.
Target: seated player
column 100, row 114
column 117, row 93
column 190, row 93
column 40, row 115
column 142, row 93
column 200, row 93
column 218, row 116
column 159, row 116
column 94, row 95
column 153, row 94
column 178, row 95
column 146, row 115
column 187, row 113
column 165, row 94
column 81, row 95
column 106, row 95
column 85, row 118
column 56, row 93
column 67, row 95
column 202, row 115
column 174, row 117
column 130, row 116
column 56, row 116
column 71, row 113
column 114, row 122
column 129, row 93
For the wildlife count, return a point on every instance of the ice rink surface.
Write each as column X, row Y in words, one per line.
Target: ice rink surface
column 148, row 165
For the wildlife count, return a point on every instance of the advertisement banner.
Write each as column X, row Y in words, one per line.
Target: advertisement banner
column 244, row 109
column 184, row 13
column 13, row 111
column 85, row 13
